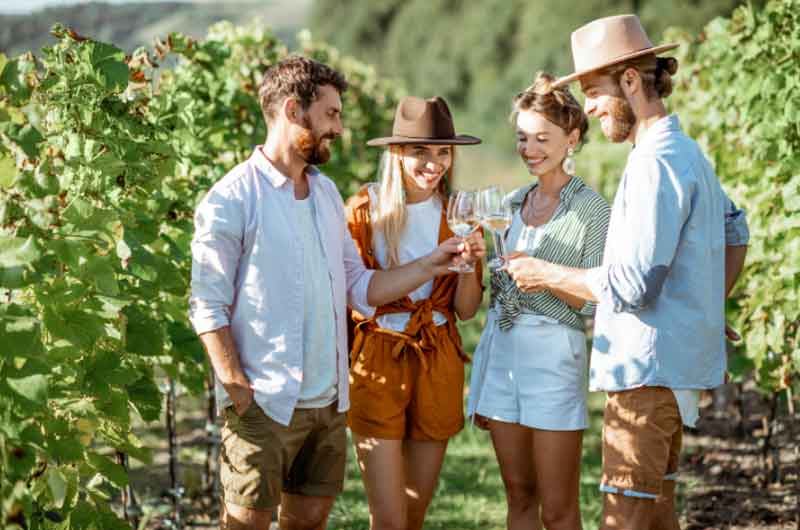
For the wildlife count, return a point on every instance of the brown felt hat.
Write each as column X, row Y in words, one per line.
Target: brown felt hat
column 606, row 42
column 423, row 121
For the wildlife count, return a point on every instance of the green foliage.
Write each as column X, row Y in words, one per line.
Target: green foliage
column 739, row 95
column 100, row 170
column 479, row 54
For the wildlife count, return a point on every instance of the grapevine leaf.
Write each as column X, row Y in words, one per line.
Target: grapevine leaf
column 114, row 472
column 78, row 327
column 144, row 334
column 33, row 387
column 15, row 251
column 146, row 397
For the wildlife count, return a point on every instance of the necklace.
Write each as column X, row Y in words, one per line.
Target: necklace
column 538, row 215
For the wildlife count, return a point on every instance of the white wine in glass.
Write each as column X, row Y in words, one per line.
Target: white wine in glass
column 462, row 218
column 495, row 214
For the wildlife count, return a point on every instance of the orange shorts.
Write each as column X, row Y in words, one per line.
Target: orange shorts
column 406, row 396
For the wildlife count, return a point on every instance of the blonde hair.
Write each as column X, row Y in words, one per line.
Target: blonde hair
column 390, row 212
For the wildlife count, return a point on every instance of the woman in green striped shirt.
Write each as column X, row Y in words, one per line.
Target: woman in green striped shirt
column 529, row 373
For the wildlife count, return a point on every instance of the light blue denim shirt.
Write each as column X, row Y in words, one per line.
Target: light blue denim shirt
column 661, row 289
column 248, row 273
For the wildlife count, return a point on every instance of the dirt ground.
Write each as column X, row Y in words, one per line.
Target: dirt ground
column 737, row 474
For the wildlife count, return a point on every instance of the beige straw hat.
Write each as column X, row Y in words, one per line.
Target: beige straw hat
column 608, row 41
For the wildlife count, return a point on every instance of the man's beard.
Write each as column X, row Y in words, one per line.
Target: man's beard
column 312, row 149
column 622, row 118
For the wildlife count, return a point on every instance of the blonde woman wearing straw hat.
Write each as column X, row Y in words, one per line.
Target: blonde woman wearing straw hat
column 675, row 246
column 407, row 363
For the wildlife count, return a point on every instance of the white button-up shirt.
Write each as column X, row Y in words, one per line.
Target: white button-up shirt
column 247, row 273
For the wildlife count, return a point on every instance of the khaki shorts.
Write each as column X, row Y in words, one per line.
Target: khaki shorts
column 416, row 396
column 642, row 432
column 260, row 458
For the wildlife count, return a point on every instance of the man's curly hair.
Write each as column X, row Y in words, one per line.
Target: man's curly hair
column 297, row 77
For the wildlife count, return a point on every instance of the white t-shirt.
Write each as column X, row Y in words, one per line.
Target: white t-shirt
column 420, row 237
column 318, row 388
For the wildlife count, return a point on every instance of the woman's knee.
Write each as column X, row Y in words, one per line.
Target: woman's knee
column 389, row 521
column 521, row 494
column 560, row 513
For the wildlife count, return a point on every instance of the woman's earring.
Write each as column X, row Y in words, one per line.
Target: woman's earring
column 568, row 165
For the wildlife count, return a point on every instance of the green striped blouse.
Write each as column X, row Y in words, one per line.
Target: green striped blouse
column 574, row 236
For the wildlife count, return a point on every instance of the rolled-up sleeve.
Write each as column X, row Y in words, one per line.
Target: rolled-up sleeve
column 216, row 251
column 737, row 233
column 657, row 205
column 358, row 277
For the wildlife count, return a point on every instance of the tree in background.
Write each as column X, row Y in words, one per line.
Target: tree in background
column 478, row 54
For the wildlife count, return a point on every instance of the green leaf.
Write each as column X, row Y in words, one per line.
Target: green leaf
column 15, row 251
column 28, row 138
column 109, row 63
column 20, row 333
column 144, row 335
column 8, row 172
column 16, row 85
column 33, row 387
column 102, row 275
column 78, row 327
column 114, row 472
column 58, row 486
column 146, row 397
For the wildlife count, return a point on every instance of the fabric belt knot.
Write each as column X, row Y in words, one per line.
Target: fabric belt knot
column 507, row 300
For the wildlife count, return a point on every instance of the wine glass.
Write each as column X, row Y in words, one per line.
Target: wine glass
column 462, row 218
column 495, row 215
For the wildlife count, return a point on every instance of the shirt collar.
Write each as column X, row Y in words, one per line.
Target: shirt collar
column 666, row 125
column 275, row 177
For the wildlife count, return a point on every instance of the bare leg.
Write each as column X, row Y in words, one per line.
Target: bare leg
column 304, row 512
column 383, row 473
column 235, row 517
column 423, row 463
column 557, row 464
column 513, row 447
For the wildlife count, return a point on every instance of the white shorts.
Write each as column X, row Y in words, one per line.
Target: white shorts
column 534, row 374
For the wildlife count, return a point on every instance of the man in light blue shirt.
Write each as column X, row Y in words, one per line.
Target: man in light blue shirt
column 675, row 246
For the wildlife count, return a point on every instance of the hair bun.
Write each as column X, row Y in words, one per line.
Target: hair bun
column 668, row 64
column 543, row 84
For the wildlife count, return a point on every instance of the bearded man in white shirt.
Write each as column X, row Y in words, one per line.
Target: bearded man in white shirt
column 273, row 269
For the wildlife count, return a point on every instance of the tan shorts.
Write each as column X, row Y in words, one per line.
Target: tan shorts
column 407, row 396
column 642, row 432
column 260, row 458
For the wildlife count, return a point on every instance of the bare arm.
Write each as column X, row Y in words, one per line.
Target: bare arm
column 224, row 359
column 386, row 286
column 567, row 283
column 734, row 262
column 575, row 302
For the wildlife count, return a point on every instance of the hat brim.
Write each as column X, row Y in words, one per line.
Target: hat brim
column 657, row 50
column 461, row 139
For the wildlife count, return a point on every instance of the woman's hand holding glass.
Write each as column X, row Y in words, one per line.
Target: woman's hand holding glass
column 462, row 218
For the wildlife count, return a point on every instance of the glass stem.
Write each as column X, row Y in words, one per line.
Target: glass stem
column 499, row 245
